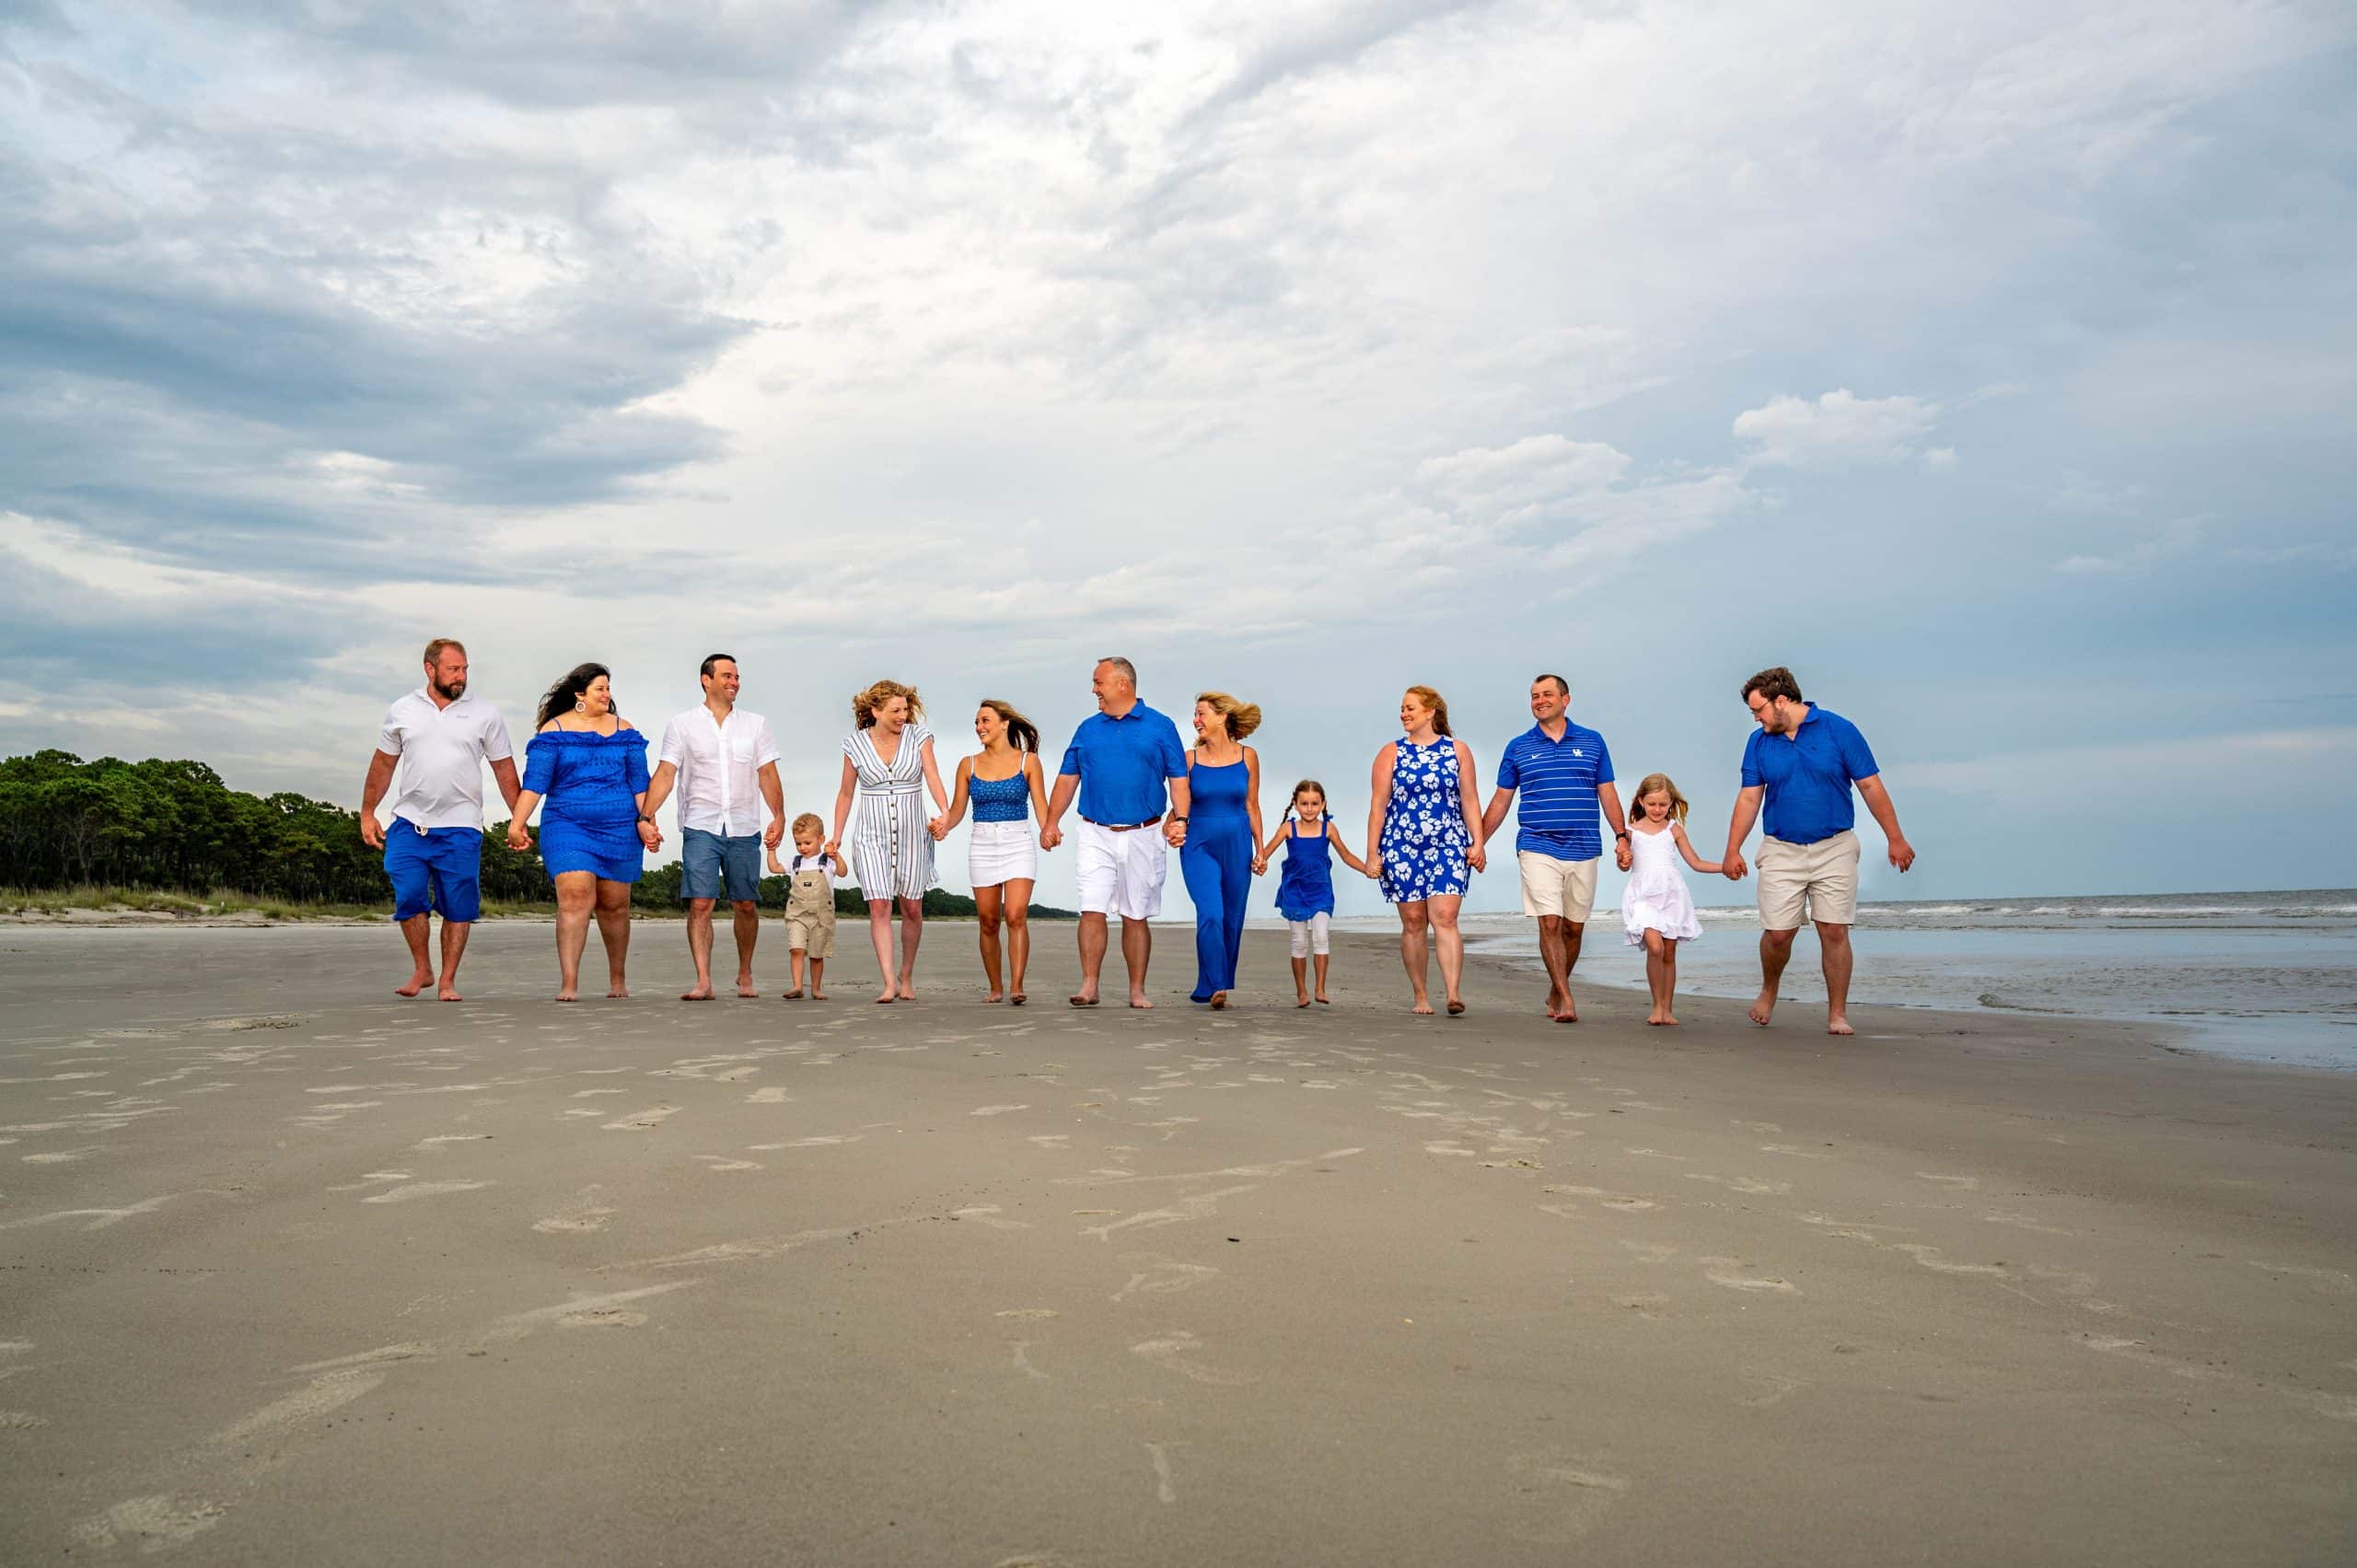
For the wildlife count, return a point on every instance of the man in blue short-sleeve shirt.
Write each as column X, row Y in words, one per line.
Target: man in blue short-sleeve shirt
column 1563, row 774
column 1124, row 763
column 1800, row 765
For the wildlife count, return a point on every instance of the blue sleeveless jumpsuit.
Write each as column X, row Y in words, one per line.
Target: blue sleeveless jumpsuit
column 1216, row 860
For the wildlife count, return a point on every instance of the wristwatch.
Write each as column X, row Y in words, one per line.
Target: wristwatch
column 1621, row 834
column 1176, row 817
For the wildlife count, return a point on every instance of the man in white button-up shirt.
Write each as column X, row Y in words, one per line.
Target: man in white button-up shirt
column 723, row 760
column 439, row 737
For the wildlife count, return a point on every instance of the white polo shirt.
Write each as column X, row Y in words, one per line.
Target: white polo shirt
column 442, row 751
column 717, row 763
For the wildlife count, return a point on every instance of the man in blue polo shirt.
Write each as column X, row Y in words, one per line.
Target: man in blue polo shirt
column 1800, row 762
column 1565, row 775
column 1123, row 759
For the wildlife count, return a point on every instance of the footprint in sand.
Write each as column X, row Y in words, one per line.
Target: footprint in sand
column 1734, row 1275
column 640, row 1121
column 403, row 1195
column 602, row 1318
column 819, row 1141
column 1570, row 1491
column 997, row 1110
column 1174, row 1349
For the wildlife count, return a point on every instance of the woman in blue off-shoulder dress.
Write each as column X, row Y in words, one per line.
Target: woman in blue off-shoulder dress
column 590, row 768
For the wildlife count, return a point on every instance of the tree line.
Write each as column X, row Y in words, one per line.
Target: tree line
column 175, row 826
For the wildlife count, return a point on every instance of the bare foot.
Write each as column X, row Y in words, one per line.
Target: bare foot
column 1838, row 1025
column 1569, row 1015
column 1424, row 1007
column 994, row 997
column 1137, row 999
column 886, row 994
column 817, row 994
column 618, row 992
column 1455, row 1008
column 1219, row 1001
column 1763, row 1008
column 1666, row 1022
column 1015, row 1000
column 416, row 983
column 1083, row 999
column 792, row 996
column 701, row 994
column 447, row 992
column 1324, row 1000
column 1302, row 1002
column 567, row 994
column 906, row 993
column 745, row 988
column 1558, row 1005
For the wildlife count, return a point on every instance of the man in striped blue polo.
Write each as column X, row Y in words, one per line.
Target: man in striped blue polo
column 1564, row 773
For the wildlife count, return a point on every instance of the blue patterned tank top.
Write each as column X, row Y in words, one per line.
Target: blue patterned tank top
column 1000, row 800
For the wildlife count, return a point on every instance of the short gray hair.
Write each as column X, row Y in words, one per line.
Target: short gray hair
column 1128, row 672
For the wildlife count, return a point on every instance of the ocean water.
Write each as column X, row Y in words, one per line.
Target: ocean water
column 2266, row 977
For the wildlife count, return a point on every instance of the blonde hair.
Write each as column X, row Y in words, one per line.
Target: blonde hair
column 868, row 703
column 1242, row 718
column 1437, row 703
column 1658, row 784
column 808, row 823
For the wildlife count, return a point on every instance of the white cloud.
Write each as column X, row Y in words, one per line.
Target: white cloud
column 1840, row 430
column 2089, row 496
column 2179, row 537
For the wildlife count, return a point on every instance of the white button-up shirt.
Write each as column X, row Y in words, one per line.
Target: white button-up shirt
column 718, row 763
column 442, row 751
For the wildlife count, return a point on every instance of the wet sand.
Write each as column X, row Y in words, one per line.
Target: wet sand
column 293, row 1271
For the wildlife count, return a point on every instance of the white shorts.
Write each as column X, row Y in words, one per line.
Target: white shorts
column 1120, row 873
column 1549, row 885
column 1311, row 935
column 1823, row 877
column 1000, row 852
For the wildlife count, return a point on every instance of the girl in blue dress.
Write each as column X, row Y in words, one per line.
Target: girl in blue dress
column 590, row 768
column 1306, row 887
column 1423, row 835
column 1223, row 829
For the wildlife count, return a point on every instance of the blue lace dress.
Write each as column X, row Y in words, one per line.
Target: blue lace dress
column 1424, row 840
column 589, row 785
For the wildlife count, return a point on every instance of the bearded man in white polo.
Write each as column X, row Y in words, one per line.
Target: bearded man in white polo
column 1563, row 772
column 439, row 739
column 1800, row 764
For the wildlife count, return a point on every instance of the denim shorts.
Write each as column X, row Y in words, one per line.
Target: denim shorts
column 438, row 870
column 709, row 860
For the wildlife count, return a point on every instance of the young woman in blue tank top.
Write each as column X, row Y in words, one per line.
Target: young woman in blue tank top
column 1306, row 887
column 1223, row 829
column 1006, row 784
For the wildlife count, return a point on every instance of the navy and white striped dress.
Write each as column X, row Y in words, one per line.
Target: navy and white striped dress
column 891, row 850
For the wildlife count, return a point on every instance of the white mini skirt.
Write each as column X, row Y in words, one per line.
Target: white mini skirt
column 1002, row 852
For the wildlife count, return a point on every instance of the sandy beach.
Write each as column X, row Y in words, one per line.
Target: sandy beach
column 295, row 1271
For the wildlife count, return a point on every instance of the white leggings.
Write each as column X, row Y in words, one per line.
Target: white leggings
column 1308, row 936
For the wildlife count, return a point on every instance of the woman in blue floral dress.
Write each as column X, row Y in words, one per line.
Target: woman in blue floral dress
column 1423, row 835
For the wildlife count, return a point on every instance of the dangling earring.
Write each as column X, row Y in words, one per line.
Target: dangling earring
column 581, row 704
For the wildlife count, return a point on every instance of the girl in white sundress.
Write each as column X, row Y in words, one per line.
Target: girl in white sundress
column 1656, row 912
column 887, row 763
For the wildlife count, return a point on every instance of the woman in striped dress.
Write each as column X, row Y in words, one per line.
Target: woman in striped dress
column 888, row 764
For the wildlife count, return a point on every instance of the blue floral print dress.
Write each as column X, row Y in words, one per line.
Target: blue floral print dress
column 1424, row 840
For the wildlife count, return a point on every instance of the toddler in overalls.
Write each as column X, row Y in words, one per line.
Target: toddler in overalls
column 809, row 903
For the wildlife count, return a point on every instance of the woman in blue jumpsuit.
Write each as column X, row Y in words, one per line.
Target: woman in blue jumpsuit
column 1223, row 831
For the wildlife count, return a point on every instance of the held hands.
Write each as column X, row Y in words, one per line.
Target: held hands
column 774, row 834
column 650, row 836
column 1260, row 865
column 1050, row 836
column 1478, row 858
column 1734, row 867
column 1375, row 867
column 1175, row 834
column 519, row 837
column 938, row 827
column 828, row 850
column 1623, row 856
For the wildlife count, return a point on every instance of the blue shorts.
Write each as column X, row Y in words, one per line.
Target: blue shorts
column 439, row 869
column 706, row 860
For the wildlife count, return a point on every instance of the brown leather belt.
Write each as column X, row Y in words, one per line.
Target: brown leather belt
column 1122, row 827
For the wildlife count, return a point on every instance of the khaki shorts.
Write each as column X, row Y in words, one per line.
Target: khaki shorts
column 811, row 935
column 1799, row 883
column 1549, row 885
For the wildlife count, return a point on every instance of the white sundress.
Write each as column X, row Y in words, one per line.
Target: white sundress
column 1656, row 896
column 890, row 848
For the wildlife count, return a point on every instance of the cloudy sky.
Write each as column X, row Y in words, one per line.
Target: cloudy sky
column 1993, row 366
